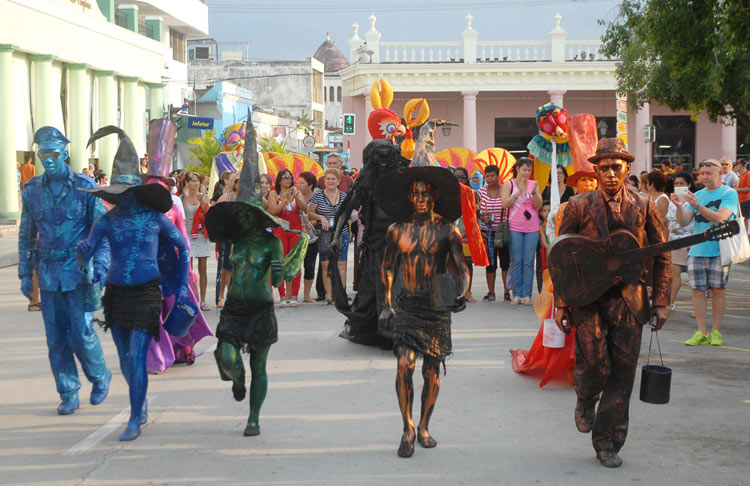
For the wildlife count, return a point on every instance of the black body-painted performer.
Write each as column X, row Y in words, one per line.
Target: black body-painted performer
column 423, row 255
column 380, row 157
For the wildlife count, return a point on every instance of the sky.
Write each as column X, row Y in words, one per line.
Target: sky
column 293, row 29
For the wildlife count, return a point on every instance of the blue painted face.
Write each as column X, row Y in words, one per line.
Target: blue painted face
column 53, row 156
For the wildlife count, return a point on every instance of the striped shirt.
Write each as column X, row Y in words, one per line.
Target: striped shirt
column 324, row 207
column 491, row 206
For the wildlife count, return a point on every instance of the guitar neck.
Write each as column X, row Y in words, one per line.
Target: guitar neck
column 638, row 254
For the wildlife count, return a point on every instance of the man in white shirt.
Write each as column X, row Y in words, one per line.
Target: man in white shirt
column 728, row 176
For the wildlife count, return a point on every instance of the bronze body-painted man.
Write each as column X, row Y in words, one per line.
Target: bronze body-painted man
column 608, row 335
column 423, row 247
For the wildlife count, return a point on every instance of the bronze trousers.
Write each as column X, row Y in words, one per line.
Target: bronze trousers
column 608, row 342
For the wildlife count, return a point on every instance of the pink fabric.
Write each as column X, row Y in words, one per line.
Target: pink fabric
column 518, row 221
column 170, row 349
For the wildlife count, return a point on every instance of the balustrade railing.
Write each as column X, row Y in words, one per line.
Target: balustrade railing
column 487, row 51
column 414, row 52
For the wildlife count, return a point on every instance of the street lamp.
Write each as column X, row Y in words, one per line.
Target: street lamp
column 446, row 130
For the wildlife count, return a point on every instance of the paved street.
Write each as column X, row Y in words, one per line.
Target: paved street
column 331, row 415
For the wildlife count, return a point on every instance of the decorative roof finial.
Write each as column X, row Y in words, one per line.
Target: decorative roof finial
column 469, row 18
column 328, row 36
column 372, row 19
column 558, row 18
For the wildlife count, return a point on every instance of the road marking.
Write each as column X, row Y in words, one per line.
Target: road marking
column 725, row 347
column 99, row 435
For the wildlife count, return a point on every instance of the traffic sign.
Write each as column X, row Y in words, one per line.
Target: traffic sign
column 649, row 133
column 308, row 141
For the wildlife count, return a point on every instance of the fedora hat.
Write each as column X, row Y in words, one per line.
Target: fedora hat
column 611, row 148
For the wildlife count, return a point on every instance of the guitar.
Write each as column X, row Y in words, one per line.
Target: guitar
column 584, row 268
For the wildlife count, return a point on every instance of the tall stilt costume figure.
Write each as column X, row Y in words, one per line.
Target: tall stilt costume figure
column 425, row 278
column 136, row 230
column 380, row 157
column 608, row 330
column 60, row 216
column 169, row 349
column 247, row 319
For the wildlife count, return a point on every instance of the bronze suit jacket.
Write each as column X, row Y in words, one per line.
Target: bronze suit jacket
column 637, row 215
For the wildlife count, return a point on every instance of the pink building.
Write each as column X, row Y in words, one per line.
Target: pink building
column 493, row 88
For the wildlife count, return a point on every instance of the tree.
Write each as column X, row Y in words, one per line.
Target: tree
column 207, row 148
column 689, row 55
column 305, row 122
column 269, row 144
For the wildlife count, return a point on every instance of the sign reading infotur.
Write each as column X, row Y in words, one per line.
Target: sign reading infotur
column 200, row 122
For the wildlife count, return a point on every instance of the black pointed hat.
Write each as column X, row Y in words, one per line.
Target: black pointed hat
column 392, row 192
column 224, row 221
column 126, row 175
column 161, row 136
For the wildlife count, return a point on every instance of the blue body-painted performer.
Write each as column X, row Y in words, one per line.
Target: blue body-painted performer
column 61, row 216
column 133, row 295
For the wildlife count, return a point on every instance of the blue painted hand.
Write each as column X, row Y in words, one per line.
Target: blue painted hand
column 27, row 286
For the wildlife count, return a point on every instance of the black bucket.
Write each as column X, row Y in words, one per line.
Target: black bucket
column 655, row 380
column 655, row 383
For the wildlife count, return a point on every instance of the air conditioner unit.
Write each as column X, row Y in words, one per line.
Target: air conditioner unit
column 202, row 53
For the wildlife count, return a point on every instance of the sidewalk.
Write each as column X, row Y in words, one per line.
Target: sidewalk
column 8, row 251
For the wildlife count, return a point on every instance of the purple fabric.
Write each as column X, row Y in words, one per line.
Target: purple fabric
column 223, row 164
column 161, row 354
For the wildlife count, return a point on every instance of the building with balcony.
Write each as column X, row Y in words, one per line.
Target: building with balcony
column 81, row 64
column 493, row 88
column 291, row 89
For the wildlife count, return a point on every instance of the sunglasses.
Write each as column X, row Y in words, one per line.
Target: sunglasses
column 48, row 155
column 286, row 176
column 706, row 163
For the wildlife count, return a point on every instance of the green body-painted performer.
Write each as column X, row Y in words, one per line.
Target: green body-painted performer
column 247, row 319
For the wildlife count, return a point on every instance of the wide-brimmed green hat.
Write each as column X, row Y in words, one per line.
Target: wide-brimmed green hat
column 224, row 221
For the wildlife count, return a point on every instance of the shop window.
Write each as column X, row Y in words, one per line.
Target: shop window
column 675, row 141
column 514, row 134
column 743, row 144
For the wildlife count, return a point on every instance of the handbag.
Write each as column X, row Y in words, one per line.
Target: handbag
column 307, row 227
column 324, row 241
column 735, row 249
column 502, row 233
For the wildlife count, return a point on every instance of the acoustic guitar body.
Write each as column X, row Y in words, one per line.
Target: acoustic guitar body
column 584, row 268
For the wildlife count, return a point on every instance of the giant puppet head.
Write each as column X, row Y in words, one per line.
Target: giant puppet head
column 383, row 123
column 552, row 121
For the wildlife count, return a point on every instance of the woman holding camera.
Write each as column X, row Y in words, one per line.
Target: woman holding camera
column 523, row 199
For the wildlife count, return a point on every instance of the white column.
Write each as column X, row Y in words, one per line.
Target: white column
column 470, row 37
column 79, row 117
column 8, row 191
column 43, row 97
column 131, row 119
column 729, row 140
column 373, row 40
column 556, row 96
column 107, row 146
column 368, row 110
column 156, row 101
column 557, row 38
column 470, row 119
column 638, row 145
